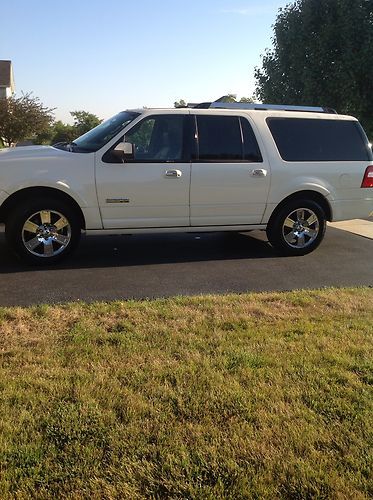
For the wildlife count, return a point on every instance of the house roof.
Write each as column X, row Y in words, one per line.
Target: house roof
column 6, row 74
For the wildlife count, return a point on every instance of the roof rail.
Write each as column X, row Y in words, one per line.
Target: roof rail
column 201, row 105
column 265, row 107
column 207, row 105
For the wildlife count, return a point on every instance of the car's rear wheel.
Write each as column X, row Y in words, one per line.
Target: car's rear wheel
column 297, row 228
column 43, row 232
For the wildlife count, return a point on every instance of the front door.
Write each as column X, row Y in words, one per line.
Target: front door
column 152, row 190
column 230, row 177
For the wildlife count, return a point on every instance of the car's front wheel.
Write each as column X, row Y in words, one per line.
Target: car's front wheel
column 297, row 228
column 43, row 232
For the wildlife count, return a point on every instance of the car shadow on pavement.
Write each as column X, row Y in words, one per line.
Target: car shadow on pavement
column 141, row 250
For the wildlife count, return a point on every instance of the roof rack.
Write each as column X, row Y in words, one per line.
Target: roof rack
column 265, row 107
column 220, row 104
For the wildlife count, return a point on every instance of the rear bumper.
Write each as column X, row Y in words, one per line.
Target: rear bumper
column 352, row 209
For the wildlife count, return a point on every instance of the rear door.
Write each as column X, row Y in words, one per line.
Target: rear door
column 230, row 175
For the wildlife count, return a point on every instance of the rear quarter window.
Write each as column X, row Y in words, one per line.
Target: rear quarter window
column 307, row 139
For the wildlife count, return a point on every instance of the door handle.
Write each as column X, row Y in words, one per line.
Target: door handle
column 173, row 173
column 259, row 172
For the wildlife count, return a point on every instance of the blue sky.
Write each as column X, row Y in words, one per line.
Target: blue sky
column 106, row 56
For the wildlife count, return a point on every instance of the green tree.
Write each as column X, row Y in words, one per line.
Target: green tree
column 246, row 99
column 63, row 132
column 227, row 98
column 180, row 104
column 23, row 117
column 233, row 98
column 57, row 132
column 84, row 121
column 322, row 55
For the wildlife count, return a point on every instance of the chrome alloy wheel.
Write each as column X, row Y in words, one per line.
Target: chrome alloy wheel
column 46, row 233
column 301, row 228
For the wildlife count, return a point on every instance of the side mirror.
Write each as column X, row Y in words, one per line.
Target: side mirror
column 124, row 151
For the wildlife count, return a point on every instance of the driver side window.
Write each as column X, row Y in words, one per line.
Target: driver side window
column 158, row 138
column 141, row 136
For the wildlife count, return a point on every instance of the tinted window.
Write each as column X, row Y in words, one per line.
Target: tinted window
column 300, row 139
column 219, row 138
column 251, row 148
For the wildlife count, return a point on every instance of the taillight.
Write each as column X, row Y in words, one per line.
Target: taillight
column 368, row 178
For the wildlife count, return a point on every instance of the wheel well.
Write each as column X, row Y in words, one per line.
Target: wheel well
column 308, row 195
column 38, row 192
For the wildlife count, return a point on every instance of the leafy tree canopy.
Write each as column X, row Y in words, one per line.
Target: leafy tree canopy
column 233, row 98
column 84, row 121
column 22, row 117
column 63, row 132
column 322, row 55
column 180, row 104
column 228, row 98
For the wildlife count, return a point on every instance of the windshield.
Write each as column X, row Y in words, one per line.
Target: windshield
column 103, row 133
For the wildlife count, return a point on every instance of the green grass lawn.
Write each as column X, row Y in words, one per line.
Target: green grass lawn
column 238, row 396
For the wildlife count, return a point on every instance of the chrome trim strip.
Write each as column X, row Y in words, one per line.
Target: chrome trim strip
column 117, row 200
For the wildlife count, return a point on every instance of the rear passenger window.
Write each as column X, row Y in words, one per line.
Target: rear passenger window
column 219, row 138
column 305, row 139
column 226, row 138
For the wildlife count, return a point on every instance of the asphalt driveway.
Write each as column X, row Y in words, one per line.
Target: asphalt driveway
column 123, row 267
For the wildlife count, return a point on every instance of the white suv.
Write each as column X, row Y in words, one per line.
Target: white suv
column 214, row 167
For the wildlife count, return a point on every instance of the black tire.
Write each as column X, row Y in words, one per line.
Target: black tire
column 307, row 230
column 29, row 223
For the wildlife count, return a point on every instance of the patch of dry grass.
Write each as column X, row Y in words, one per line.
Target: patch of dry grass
column 237, row 396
